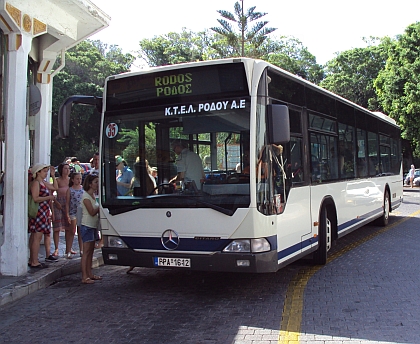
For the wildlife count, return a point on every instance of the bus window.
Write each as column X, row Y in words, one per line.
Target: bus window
column 296, row 164
column 361, row 153
column 271, row 180
column 219, row 136
column 324, row 160
column 346, row 151
column 373, row 162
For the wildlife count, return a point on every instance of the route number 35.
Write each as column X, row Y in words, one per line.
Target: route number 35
column 111, row 130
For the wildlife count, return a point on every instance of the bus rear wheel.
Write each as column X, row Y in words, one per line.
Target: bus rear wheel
column 324, row 237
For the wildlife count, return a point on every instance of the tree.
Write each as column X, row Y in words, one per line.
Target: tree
column 352, row 73
column 173, row 48
column 87, row 66
column 187, row 46
column 398, row 85
column 290, row 54
column 249, row 39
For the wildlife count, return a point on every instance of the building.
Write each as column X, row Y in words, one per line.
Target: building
column 33, row 34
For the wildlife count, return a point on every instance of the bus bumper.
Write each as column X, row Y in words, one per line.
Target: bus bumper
column 228, row 262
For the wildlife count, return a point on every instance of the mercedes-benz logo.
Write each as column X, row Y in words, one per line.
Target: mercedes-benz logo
column 170, row 239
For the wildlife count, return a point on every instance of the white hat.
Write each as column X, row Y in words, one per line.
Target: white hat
column 38, row 167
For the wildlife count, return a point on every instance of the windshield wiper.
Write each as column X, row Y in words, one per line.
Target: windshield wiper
column 215, row 207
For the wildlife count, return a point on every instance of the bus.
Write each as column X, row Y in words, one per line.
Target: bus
column 288, row 167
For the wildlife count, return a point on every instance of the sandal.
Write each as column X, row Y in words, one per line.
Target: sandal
column 72, row 251
column 88, row 281
column 96, row 278
column 69, row 256
column 39, row 266
column 55, row 254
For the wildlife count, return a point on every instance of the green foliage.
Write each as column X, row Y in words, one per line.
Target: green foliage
column 285, row 52
column 87, row 66
column 398, row 85
column 290, row 54
column 130, row 140
column 174, row 48
column 352, row 73
column 248, row 41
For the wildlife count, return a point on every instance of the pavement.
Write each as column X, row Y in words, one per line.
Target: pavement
column 14, row 288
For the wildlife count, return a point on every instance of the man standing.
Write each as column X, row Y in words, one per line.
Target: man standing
column 76, row 165
column 189, row 166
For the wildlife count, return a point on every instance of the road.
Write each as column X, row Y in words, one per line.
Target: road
column 367, row 293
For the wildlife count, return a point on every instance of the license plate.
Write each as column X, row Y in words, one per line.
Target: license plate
column 172, row 262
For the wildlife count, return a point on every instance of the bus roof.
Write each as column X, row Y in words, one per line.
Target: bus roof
column 249, row 66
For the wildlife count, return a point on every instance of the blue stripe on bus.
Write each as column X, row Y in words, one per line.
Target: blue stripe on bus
column 296, row 248
column 185, row 244
column 396, row 204
column 352, row 222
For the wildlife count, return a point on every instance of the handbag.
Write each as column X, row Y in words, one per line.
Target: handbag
column 32, row 207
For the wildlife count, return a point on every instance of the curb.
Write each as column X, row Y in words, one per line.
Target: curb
column 32, row 282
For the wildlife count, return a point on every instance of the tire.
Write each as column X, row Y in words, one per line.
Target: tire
column 324, row 238
column 384, row 219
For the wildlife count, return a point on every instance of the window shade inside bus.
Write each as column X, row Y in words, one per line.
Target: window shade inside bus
column 175, row 86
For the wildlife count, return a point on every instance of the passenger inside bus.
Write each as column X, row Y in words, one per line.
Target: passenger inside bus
column 135, row 184
column 123, row 176
column 207, row 163
column 244, row 168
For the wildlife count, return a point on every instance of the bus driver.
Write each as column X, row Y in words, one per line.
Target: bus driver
column 189, row 166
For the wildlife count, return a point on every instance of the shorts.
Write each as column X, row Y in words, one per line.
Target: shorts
column 73, row 217
column 89, row 234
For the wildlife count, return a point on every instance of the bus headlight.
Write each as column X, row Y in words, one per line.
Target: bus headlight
column 248, row 245
column 113, row 241
column 238, row 246
column 260, row 245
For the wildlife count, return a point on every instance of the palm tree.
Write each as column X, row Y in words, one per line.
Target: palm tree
column 252, row 37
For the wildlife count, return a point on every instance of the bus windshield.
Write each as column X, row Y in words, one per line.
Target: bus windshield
column 206, row 143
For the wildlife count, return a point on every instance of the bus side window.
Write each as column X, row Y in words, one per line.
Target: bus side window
column 296, row 166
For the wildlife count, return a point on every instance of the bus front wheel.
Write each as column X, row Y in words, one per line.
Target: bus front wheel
column 324, row 237
column 384, row 219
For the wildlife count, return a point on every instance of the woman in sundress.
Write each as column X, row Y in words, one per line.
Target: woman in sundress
column 41, row 192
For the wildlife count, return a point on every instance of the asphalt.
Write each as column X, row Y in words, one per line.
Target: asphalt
column 14, row 288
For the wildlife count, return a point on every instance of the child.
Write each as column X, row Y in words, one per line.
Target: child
column 74, row 197
column 89, row 226
column 59, row 210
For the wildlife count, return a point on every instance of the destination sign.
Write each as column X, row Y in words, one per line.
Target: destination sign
column 173, row 85
column 154, row 88
column 205, row 107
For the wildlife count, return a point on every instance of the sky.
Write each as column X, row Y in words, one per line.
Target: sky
column 325, row 27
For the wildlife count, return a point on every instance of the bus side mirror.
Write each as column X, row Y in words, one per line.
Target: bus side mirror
column 65, row 111
column 278, row 124
column 64, row 119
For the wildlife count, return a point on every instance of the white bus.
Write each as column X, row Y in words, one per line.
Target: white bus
column 290, row 167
